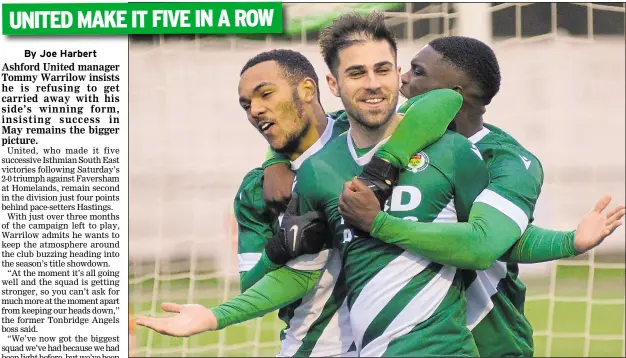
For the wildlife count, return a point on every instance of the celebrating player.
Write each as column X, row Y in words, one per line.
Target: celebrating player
column 500, row 214
column 385, row 322
column 400, row 304
column 278, row 90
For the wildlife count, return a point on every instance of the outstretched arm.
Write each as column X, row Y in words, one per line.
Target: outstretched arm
column 275, row 290
column 541, row 245
column 473, row 245
column 263, row 266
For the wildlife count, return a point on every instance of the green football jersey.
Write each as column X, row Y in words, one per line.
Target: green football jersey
column 303, row 336
column 495, row 297
column 400, row 304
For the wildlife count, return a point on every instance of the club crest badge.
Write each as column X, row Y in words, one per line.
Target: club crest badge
column 418, row 162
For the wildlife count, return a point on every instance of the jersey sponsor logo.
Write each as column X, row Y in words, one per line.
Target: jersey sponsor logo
column 418, row 162
column 405, row 198
column 526, row 161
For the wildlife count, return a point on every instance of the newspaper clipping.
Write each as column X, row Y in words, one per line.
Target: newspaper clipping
column 140, row 209
column 64, row 196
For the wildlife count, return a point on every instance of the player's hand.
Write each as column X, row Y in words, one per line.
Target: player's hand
column 380, row 176
column 358, row 205
column 298, row 234
column 277, row 185
column 189, row 320
column 596, row 226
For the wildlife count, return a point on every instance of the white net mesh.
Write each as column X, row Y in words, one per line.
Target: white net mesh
column 562, row 96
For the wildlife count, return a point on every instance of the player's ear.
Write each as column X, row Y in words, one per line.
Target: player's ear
column 332, row 84
column 307, row 90
column 471, row 93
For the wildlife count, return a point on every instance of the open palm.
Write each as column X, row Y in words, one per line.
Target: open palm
column 596, row 226
column 190, row 319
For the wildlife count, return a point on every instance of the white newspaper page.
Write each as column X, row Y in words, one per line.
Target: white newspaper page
column 64, row 191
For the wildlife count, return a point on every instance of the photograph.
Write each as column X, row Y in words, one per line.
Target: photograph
column 381, row 179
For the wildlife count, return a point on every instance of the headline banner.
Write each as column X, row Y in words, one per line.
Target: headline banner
column 142, row 18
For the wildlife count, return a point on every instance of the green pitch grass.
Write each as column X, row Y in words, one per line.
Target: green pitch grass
column 260, row 337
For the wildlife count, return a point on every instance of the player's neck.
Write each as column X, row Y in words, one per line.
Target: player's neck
column 469, row 121
column 318, row 121
column 366, row 137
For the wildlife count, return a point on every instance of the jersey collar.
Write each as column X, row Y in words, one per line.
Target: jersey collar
column 479, row 135
column 361, row 161
column 319, row 144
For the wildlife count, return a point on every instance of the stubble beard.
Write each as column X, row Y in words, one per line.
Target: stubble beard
column 292, row 140
column 361, row 116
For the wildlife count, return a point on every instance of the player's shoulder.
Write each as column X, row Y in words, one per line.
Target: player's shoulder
column 509, row 166
column 333, row 147
column 494, row 138
column 453, row 139
column 311, row 175
column 453, row 155
column 515, row 173
column 501, row 151
column 250, row 192
column 452, row 144
column 252, row 179
column 336, row 114
column 341, row 121
column 253, row 175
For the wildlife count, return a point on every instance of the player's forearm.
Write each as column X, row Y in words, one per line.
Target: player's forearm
column 262, row 268
column 541, row 245
column 275, row 290
column 426, row 119
column 474, row 245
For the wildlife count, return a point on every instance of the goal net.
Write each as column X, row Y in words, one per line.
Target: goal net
column 562, row 97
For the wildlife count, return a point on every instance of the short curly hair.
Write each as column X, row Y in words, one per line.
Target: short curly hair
column 294, row 65
column 474, row 58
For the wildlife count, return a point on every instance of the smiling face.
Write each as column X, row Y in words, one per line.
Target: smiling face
column 367, row 81
column 273, row 106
